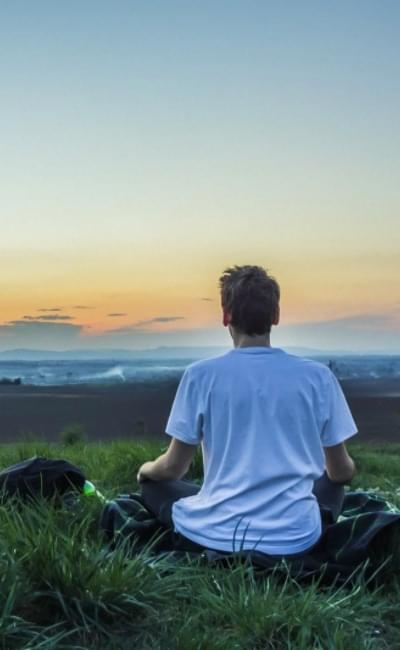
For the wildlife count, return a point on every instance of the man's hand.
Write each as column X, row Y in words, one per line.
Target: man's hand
column 145, row 471
column 340, row 467
column 171, row 465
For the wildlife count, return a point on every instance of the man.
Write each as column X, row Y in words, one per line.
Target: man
column 272, row 428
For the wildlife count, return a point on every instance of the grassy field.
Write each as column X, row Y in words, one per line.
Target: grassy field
column 60, row 589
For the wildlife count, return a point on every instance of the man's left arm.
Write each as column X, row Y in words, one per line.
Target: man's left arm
column 185, row 427
column 173, row 464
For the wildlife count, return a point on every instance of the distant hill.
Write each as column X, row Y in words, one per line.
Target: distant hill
column 162, row 352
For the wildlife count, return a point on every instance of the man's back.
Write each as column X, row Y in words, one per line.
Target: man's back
column 262, row 417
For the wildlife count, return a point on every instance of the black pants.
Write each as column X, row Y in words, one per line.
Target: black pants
column 160, row 495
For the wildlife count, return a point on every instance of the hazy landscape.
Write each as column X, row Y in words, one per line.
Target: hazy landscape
column 122, row 394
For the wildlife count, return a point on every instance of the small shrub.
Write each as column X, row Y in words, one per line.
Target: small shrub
column 141, row 427
column 73, row 434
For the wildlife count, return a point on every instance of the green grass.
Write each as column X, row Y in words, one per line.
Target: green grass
column 60, row 588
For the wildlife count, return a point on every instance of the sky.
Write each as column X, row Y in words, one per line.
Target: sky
column 147, row 146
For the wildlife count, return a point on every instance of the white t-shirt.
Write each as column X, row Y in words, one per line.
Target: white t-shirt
column 262, row 417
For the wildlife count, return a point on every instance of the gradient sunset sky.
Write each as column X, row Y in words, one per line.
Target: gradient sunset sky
column 146, row 146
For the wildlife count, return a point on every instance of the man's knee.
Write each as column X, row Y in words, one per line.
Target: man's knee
column 149, row 487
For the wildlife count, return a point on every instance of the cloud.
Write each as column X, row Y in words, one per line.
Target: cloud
column 117, row 313
column 125, row 330
column 158, row 319
column 365, row 331
column 39, row 334
column 47, row 317
column 144, row 338
column 140, row 326
column 82, row 307
column 56, row 317
column 207, row 299
column 50, row 309
column 362, row 333
column 365, row 321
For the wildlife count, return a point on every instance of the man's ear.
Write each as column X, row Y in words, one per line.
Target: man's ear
column 277, row 316
column 226, row 318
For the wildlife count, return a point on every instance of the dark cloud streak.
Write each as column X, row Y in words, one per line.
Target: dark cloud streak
column 55, row 317
column 50, row 309
column 157, row 319
column 46, row 317
column 138, row 326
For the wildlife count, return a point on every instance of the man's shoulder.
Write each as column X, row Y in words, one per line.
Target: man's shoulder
column 205, row 365
column 306, row 365
column 288, row 362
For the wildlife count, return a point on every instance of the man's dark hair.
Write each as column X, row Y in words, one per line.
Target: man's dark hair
column 251, row 296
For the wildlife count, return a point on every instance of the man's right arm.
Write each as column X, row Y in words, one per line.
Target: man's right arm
column 340, row 467
column 338, row 426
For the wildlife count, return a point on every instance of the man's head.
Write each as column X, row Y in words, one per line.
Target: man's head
column 249, row 299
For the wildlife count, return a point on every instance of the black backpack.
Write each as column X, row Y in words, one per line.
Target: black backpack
column 40, row 477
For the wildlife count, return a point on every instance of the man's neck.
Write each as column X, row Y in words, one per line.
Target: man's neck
column 243, row 341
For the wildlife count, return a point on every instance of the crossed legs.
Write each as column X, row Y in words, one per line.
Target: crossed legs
column 160, row 495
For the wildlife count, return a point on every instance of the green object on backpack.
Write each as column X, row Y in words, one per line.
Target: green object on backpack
column 90, row 490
